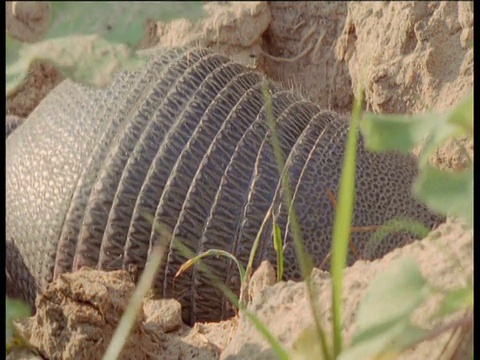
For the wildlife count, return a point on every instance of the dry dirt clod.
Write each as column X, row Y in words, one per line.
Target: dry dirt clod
column 264, row 276
column 78, row 313
column 164, row 313
column 27, row 21
column 42, row 78
column 234, row 29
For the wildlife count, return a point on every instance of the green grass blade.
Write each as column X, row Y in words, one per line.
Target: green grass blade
column 304, row 259
column 277, row 243
column 305, row 262
column 414, row 227
column 255, row 246
column 145, row 283
column 343, row 222
column 261, row 328
column 216, row 253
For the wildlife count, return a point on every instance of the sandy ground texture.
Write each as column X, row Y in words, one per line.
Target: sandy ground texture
column 410, row 56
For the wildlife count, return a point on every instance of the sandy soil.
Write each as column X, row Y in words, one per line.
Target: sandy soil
column 410, row 57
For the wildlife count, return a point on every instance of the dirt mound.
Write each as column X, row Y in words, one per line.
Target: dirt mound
column 78, row 313
column 286, row 312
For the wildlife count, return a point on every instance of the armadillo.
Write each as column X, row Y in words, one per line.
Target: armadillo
column 184, row 143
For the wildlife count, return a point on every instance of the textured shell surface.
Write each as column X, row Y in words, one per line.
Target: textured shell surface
column 184, row 146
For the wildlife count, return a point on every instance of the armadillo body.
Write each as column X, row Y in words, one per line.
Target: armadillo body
column 183, row 144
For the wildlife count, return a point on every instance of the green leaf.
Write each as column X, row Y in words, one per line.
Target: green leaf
column 440, row 133
column 14, row 74
column 446, row 193
column 462, row 114
column 115, row 21
column 387, row 132
column 386, row 341
column 89, row 41
column 394, row 294
column 14, row 309
column 307, row 346
column 383, row 318
column 87, row 59
column 455, row 300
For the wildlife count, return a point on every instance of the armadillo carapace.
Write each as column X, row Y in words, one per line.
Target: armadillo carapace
column 184, row 144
